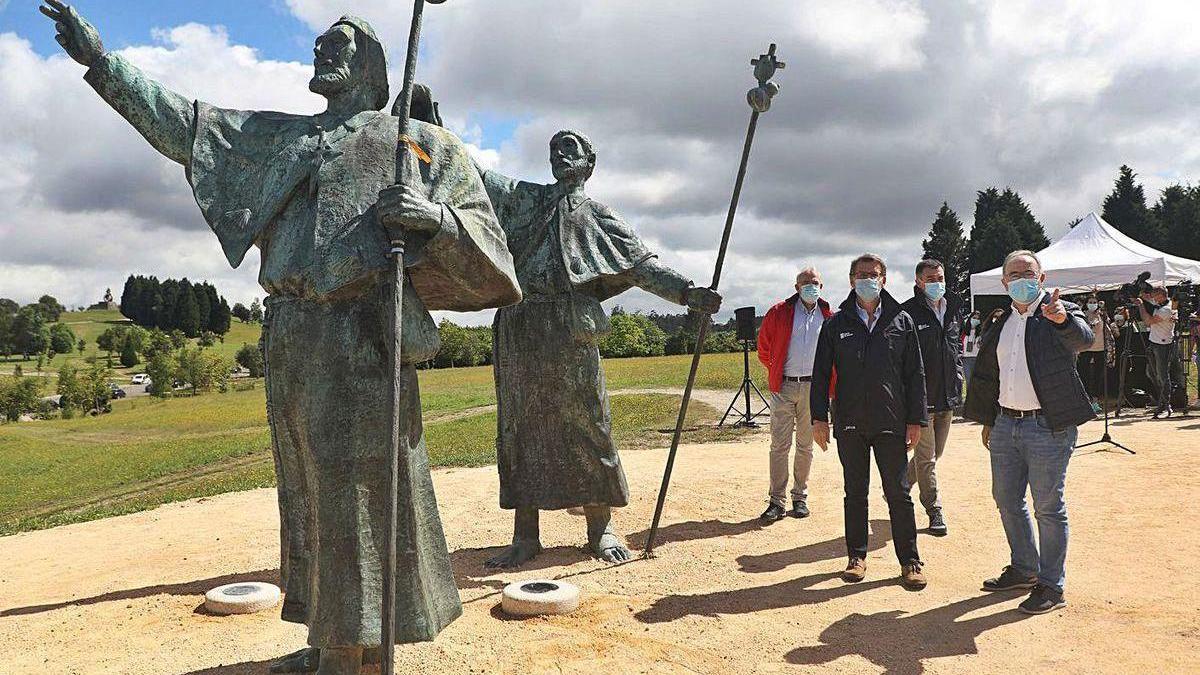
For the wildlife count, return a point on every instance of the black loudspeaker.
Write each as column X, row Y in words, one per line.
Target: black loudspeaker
column 746, row 330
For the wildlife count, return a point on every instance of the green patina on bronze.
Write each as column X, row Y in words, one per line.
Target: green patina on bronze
column 305, row 190
column 554, row 438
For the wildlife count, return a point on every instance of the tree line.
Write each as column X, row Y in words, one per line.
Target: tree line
column 32, row 330
column 1004, row 223
column 173, row 304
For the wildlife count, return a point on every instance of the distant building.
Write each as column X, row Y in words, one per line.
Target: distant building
column 107, row 303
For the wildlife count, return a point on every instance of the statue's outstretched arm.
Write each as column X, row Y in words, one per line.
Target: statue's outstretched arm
column 166, row 119
column 666, row 283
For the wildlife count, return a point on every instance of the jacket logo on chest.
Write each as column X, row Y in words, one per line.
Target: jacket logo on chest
column 923, row 326
column 845, row 335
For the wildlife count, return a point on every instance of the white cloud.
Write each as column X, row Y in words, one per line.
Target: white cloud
column 888, row 107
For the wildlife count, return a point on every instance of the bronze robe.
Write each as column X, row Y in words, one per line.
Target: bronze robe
column 302, row 189
column 554, row 424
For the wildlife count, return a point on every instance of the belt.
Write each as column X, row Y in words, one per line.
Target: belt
column 1018, row 414
column 789, row 378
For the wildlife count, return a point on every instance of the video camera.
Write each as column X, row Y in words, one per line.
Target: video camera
column 1130, row 294
column 1187, row 299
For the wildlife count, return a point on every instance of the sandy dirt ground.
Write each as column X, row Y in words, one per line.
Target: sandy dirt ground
column 725, row 595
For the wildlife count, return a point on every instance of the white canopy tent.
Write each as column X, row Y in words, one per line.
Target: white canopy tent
column 1095, row 254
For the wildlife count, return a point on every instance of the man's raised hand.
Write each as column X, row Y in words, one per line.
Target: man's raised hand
column 703, row 300
column 78, row 38
column 1054, row 310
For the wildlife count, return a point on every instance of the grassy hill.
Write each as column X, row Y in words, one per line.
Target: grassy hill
column 148, row 451
column 88, row 325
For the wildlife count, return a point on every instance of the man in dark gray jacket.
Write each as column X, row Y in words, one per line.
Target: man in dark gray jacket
column 1027, row 394
column 937, row 316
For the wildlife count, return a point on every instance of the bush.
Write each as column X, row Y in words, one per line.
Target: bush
column 633, row 335
column 129, row 355
column 19, row 395
column 251, row 358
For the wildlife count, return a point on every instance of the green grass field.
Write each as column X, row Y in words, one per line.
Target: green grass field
column 149, row 451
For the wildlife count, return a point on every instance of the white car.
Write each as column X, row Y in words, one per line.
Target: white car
column 140, row 378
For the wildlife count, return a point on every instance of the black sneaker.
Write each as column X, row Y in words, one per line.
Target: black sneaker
column 937, row 523
column 1010, row 580
column 773, row 513
column 1042, row 600
column 799, row 509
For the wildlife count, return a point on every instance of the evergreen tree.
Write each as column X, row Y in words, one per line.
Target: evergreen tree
column 221, row 318
column 187, row 310
column 241, row 312
column 1125, row 209
column 947, row 244
column 203, row 305
column 1003, row 223
column 131, row 295
column 129, row 356
column 1177, row 215
column 256, row 312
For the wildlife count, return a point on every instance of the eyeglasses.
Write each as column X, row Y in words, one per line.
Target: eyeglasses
column 868, row 275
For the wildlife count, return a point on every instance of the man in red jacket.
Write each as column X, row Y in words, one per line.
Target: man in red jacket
column 787, row 342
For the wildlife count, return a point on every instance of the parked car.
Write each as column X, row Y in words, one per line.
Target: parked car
column 140, row 378
column 117, row 391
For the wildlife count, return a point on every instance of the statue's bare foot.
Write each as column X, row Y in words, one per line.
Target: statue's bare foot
column 611, row 549
column 300, row 661
column 516, row 555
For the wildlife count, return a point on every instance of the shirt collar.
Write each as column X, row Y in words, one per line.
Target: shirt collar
column 1037, row 302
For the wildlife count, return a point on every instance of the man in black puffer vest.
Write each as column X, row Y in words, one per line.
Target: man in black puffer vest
column 872, row 345
column 938, row 319
column 1026, row 393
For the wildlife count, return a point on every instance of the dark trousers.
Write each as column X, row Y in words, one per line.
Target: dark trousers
column 892, row 459
column 1161, row 358
column 1091, row 370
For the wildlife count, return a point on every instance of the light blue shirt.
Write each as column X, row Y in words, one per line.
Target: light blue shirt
column 874, row 319
column 802, row 348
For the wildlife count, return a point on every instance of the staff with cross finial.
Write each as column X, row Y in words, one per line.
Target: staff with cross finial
column 403, row 143
column 759, row 99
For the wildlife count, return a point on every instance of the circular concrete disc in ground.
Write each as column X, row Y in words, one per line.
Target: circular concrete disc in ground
column 539, row 597
column 243, row 598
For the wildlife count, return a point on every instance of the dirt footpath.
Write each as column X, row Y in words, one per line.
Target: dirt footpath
column 724, row 596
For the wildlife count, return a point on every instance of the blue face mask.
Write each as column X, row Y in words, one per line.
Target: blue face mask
column 867, row 289
column 935, row 290
column 810, row 293
column 1024, row 291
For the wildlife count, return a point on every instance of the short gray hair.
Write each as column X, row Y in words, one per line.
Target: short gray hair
column 1021, row 253
column 810, row 271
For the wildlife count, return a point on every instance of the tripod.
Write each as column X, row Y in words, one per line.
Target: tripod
column 1107, row 438
column 745, row 417
column 1123, row 364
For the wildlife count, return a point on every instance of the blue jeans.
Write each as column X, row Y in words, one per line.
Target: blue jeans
column 1025, row 452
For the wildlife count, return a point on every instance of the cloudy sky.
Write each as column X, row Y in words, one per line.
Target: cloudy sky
column 888, row 108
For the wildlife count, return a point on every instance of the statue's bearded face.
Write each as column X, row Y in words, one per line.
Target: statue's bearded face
column 569, row 159
column 332, row 59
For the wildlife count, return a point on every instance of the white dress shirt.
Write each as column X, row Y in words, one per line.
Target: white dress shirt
column 802, row 348
column 869, row 321
column 1016, row 385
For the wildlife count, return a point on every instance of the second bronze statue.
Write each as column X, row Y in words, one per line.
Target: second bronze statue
column 554, row 439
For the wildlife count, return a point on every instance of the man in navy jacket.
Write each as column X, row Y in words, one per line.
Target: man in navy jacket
column 880, row 408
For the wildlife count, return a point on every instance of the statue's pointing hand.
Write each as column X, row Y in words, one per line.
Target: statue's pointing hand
column 704, row 300
column 78, row 38
column 403, row 209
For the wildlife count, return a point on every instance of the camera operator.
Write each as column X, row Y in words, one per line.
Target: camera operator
column 1161, row 320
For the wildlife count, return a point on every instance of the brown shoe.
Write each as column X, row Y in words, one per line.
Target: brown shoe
column 856, row 570
column 912, row 576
